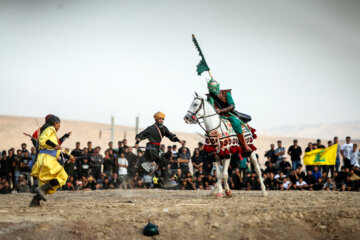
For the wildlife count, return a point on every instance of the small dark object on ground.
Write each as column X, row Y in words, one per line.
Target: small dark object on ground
column 151, row 230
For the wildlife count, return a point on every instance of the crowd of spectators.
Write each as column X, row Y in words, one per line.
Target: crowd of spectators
column 121, row 168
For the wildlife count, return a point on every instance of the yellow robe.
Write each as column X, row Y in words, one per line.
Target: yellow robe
column 47, row 167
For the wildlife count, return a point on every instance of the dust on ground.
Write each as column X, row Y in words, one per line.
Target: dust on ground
column 122, row 214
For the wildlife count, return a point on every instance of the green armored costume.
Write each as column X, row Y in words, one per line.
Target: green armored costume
column 225, row 106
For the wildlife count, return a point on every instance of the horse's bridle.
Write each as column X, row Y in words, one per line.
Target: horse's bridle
column 193, row 115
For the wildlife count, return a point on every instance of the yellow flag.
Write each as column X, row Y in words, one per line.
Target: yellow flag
column 322, row 156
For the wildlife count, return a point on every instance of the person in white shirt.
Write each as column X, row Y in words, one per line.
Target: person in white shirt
column 123, row 166
column 301, row 184
column 354, row 156
column 345, row 151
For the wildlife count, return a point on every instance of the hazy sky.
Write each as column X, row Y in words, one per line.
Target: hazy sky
column 288, row 62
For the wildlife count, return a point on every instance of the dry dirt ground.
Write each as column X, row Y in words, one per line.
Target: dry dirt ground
column 122, row 214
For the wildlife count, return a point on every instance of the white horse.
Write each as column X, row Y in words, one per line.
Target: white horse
column 202, row 109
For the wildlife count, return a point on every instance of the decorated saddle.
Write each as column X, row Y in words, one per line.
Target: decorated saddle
column 226, row 142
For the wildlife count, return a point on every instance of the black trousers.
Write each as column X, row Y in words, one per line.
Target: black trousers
column 152, row 155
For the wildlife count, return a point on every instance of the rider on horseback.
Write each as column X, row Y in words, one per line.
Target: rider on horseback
column 225, row 106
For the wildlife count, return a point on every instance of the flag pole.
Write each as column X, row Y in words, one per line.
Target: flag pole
column 210, row 75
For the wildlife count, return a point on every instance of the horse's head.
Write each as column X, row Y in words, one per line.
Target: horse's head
column 195, row 111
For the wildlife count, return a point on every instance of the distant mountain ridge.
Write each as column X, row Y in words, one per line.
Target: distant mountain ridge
column 323, row 131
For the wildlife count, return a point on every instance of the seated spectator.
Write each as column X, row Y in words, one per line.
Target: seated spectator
column 287, row 185
column 22, row 185
column 70, row 184
column 115, row 180
column 316, row 173
column 107, row 184
column 199, row 183
column 197, row 160
column 310, row 180
column 329, row 185
column 209, row 182
column 284, row 165
column 237, row 180
column 270, row 182
column 252, row 182
column 348, row 184
column 301, row 185
column 139, row 184
column 188, row 183
column 270, row 168
column 200, row 172
column 147, row 179
column 319, row 185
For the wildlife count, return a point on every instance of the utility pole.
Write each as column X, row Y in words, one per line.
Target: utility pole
column 112, row 128
column 137, row 124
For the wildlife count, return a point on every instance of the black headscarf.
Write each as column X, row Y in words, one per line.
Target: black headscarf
column 50, row 120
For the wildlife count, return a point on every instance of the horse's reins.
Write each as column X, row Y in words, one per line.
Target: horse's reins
column 193, row 115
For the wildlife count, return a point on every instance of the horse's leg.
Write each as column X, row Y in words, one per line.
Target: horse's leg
column 226, row 176
column 253, row 158
column 219, row 177
column 216, row 188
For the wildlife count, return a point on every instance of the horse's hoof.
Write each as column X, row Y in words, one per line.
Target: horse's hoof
column 264, row 194
column 219, row 195
column 228, row 193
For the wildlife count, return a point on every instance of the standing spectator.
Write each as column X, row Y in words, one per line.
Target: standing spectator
column 318, row 143
column 131, row 158
column 243, row 166
column 120, row 147
column 183, row 145
column 174, row 162
column 23, row 149
column 345, row 151
column 354, row 156
column 123, row 173
column 5, row 166
column 184, row 161
column 125, row 143
column 168, row 156
column 197, row 160
column 77, row 152
column 108, row 164
column 309, row 147
column 16, row 167
column 89, row 147
column 337, row 163
column 271, row 153
column 110, row 144
column 96, row 162
column 279, row 153
column 24, row 166
column 70, row 167
column 295, row 154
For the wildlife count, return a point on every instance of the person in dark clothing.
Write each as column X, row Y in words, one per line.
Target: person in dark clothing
column 271, row 153
column 295, row 154
column 154, row 134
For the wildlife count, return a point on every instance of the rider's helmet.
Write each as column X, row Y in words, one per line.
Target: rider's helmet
column 214, row 87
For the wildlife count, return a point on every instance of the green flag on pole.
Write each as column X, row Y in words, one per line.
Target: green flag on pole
column 202, row 66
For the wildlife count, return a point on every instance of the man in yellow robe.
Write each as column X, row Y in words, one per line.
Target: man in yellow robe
column 47, row 169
